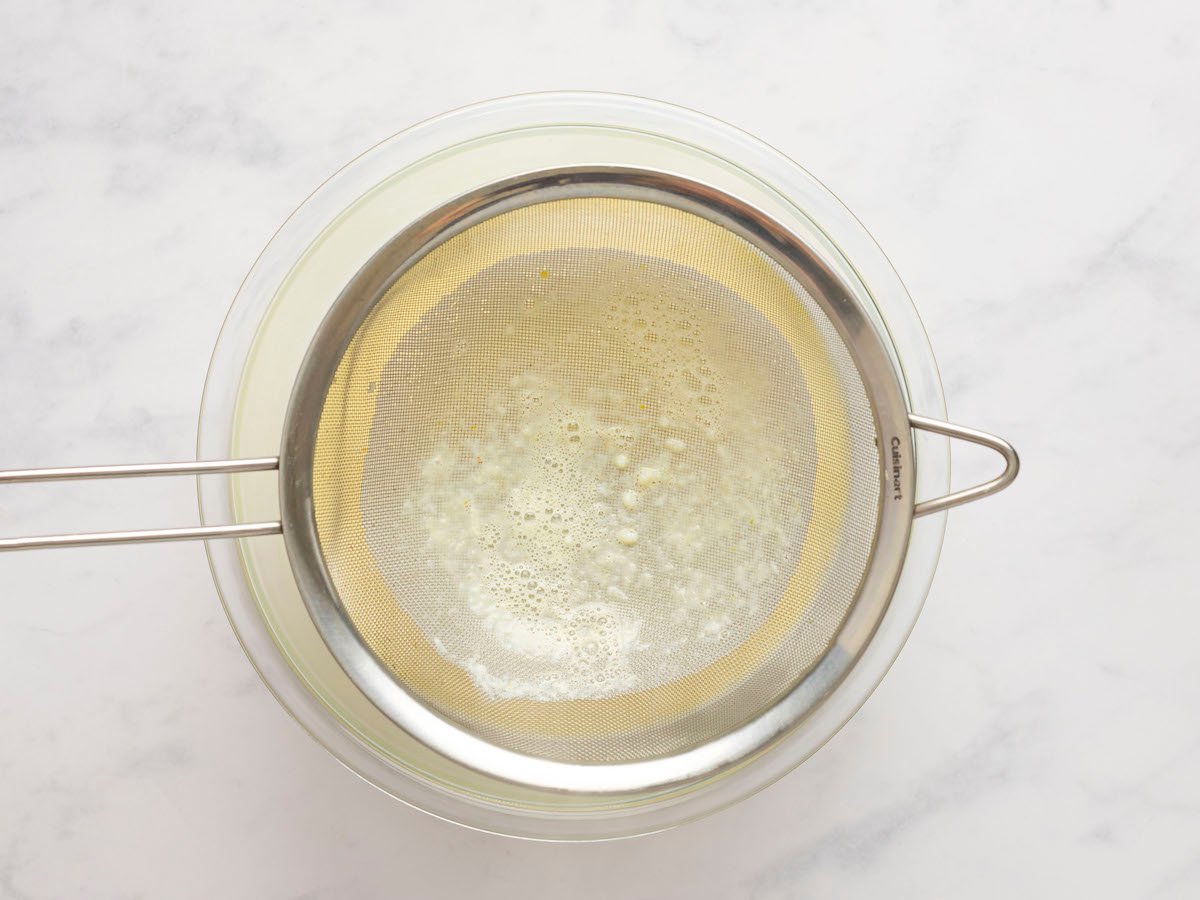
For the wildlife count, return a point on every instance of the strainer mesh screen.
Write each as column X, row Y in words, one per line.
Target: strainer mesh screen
column 596, row 480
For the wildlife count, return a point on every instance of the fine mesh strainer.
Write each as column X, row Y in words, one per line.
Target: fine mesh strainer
column 595, row 479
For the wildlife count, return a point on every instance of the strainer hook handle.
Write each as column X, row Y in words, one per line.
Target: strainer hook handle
column 1012, row 464
column 205, row 532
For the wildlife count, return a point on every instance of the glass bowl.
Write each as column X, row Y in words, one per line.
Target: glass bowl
column 283, row 300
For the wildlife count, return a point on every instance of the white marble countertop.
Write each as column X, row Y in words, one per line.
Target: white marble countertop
column 1033, row 174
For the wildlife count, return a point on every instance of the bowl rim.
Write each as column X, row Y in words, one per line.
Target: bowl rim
column 915, row 365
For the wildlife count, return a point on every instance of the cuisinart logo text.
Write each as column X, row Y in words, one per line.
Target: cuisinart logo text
column 897, row 468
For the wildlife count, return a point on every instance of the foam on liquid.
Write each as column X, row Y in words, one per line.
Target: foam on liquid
column 611, row 516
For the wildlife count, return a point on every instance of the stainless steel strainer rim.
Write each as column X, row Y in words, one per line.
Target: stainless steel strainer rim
column 369, row 286
column 643, row 778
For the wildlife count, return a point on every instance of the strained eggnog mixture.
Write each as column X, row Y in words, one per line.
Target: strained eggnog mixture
column 609, row 508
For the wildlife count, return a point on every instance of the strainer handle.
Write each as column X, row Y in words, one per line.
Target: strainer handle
column 1012, row 464
column 200, row 533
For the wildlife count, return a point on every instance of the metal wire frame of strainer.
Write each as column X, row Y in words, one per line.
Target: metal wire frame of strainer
column 552, row 272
